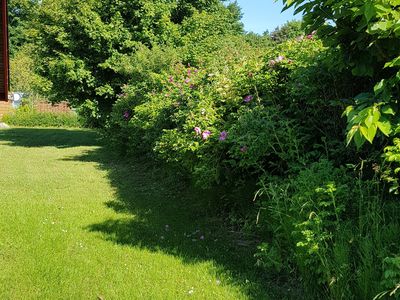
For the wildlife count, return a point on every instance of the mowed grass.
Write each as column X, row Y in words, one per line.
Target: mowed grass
column 77, row 222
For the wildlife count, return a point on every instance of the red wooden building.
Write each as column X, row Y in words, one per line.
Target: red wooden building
column 4, row 69
column 4, row 52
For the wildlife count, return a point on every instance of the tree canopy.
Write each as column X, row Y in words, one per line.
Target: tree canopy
column 81, row 41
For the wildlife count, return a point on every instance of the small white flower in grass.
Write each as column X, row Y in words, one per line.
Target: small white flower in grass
column 191, row 291
column 202, row 237
column 218, row 282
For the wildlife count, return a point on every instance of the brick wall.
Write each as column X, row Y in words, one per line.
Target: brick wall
column 5, row 107
column 42, row 106
column 61, row 107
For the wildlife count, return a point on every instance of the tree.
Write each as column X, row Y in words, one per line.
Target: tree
column 20, row 14
column 82, row 41
column 289, row 30
column 367, row 33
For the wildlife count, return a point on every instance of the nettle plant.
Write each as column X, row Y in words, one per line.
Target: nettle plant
column 367, row 33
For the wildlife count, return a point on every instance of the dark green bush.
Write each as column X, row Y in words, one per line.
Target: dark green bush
column 335, row 231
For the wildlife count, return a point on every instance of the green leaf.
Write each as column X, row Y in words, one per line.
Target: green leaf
column 387, row 110
column 385, row 127
column 369, row 121
column 380, row 26
column 348, row 110
column 359, row 140
column 372, row 133
column 369, row 133
column 376, row 115
column 394, row 63
column 369, row 11
column 351, row 134
column 379, row 87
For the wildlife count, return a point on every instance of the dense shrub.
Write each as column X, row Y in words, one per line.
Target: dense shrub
column 333, row 230
column 238, row 101
column 28, row 117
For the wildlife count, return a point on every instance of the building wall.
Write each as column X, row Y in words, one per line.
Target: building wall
column 61, row 107
column 5, row 107
column 42, row 106
column 3, row 52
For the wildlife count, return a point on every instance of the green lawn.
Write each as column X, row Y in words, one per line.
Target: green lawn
column 77, row 222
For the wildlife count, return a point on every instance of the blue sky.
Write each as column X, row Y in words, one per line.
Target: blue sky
column 261, row 15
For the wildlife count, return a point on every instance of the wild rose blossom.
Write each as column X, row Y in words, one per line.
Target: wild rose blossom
column 187, row 80
column 197, row 130
column 248, row 98
column 126, row 115
column 206, row 134
column 223, row 135
column 277, row 60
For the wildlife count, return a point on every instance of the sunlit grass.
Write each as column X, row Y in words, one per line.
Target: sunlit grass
column 78, row 224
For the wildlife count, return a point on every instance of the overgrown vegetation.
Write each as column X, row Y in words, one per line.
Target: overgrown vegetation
column 30, row 117
column 181, row 83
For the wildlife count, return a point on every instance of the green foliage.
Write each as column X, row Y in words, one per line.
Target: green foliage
column 21, row 14
column 366, row 121
column 163, row 112
column 28, row 117
column 391, row 168
column 290, row 30
column 23, row 76
column 391, row 280
column 82, row 45
column 367, row 33
column 254, row 101
column 260, row 135
column 331, row 229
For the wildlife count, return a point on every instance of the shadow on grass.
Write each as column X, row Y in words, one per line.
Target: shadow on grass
column 161, row 212
column 49, row 137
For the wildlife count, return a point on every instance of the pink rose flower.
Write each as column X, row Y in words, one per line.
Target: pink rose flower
column 206, row 134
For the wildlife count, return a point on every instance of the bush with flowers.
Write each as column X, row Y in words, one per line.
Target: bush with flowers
column 228, row 114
